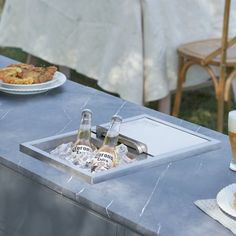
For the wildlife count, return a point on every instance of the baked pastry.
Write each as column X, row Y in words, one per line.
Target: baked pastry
column 26, row 74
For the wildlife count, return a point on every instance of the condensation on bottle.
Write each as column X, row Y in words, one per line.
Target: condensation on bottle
column 83, row 148
column 106, row 156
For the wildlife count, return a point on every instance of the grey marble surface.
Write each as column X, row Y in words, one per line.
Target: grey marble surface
column 157, row 200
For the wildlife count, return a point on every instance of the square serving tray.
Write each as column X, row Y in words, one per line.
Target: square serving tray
column 150, row 140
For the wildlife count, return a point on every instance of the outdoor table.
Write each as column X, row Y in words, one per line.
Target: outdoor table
column 38, row 199
column 129, row 47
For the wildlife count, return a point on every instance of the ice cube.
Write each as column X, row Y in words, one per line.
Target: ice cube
column 122, row 152
column 83, row 160
column 63, row 151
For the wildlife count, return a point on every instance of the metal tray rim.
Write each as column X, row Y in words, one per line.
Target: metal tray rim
column 30, row 149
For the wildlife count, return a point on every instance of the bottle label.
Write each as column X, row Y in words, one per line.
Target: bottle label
column 80, row 149
column 104, row 159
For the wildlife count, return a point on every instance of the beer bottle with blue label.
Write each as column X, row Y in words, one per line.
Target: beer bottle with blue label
column 83, row 147
column 106, row 156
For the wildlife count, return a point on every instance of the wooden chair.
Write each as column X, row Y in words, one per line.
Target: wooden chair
column 208, row 54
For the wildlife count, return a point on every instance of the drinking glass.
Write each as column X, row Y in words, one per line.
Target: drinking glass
column 232, row 137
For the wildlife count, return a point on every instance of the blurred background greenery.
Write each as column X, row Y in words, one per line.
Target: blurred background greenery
column 1, row 4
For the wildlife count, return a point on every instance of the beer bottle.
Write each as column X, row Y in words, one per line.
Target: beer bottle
column 106, row 156
column 83, row 144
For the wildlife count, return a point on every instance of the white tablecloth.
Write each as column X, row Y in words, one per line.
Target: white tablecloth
column 126, row 45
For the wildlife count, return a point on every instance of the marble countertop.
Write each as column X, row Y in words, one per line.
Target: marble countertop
column 157, row 200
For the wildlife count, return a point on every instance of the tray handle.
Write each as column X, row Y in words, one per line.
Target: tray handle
column 138, row 146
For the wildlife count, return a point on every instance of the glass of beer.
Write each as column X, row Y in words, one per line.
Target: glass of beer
column 232, row 137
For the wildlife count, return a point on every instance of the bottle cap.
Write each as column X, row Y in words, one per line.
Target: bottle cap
column 116, row 118
column 87, row 111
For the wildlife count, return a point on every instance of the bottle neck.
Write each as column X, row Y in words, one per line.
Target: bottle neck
column 84, row 133
column 85, row 126
column 112, row 135
column 110, row 141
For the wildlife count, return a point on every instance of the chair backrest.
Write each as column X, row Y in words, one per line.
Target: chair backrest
column 225, row 44
column 225, row 33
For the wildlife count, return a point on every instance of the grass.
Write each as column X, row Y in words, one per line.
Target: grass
column 198, row 106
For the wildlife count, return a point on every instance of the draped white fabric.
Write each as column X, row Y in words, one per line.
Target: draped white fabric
column 128, row 46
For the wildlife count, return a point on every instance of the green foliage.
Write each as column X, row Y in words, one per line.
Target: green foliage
column 14, row 53
column 200, row 107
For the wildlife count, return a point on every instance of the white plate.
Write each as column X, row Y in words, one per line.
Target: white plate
column 23, row 89
column 29, row 86
column 225, row 199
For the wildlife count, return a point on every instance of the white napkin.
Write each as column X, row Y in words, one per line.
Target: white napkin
column 210, row 207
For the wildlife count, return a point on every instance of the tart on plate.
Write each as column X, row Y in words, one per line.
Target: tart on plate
column 26, row 74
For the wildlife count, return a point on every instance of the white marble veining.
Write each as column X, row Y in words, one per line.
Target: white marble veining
column 160, row 177
column 19, row 164
column 180, row 122
column 4, row 115
column 198, row 129
column 67, row 123
column 64, row 127
column 158, row 228
column 88, row 99
column 67, row 114
column 120, row 108
column 68, row 181
column 199, row 167
column 108, row 207
column 77, row 194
